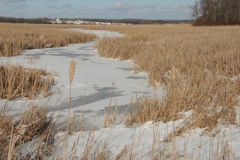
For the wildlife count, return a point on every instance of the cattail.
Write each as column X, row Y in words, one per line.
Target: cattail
column 173, row 75
column 71, row 71
column 71, row 74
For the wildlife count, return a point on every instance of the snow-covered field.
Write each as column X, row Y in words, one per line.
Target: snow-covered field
column 100, row 83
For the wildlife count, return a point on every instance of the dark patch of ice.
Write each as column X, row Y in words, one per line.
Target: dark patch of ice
column 126, row 69
column 135, row 77
column 103, row 93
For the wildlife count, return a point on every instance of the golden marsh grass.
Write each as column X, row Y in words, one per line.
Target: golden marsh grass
column 17, row 81
column 33, row 124
column 198, row 67
column 17, row 37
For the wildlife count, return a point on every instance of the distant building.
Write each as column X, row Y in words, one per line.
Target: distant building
column 80, row 22
column 97, row 23
column 69, row 22
column 58, row 21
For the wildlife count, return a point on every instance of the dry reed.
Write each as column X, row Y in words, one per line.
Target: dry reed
column 34, row 124
column 71, row 75
column 197, row 66
column 18, row 82
column 17, row 37
column 71, row 71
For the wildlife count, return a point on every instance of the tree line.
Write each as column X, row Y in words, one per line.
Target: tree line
column 44, row 20
column 216, row 12
column 139, row 21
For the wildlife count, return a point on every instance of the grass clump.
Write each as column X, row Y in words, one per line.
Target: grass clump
column 33, row 126
column 17, row 82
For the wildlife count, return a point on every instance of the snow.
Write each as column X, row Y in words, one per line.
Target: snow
column 100, row 83
column 192, row 145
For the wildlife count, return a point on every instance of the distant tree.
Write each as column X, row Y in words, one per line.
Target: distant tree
column 24, row 20
column 216, row 11
column 195, row 10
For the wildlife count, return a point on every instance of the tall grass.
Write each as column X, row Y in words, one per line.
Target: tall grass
column 17, row 81
column 34, row 126
column 198, row 67
column 17, row 37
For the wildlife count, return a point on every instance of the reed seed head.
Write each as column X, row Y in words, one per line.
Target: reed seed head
column 173, row 73
column 71, row 71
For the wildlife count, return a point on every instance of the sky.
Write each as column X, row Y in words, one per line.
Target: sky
column 107, row 9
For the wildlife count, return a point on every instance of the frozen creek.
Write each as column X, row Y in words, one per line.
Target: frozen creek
column 98, row 82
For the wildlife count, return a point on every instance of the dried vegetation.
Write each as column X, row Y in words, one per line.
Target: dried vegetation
column 17, row 37
column 17, row 81
column 198, row 67
column 33, row 126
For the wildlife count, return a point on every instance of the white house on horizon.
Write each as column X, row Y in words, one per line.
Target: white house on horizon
column 58, row 21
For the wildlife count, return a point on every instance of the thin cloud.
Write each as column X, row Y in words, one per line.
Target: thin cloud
column 12, row 1
column 66, row 6
column 176, row 6
column 120, row 6
column 52, row 1
column 53, row 6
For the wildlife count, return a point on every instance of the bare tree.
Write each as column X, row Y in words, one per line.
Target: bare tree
column 216, row 11
column 195, row 10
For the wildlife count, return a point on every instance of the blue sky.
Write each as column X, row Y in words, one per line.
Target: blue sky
column 119, row 9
